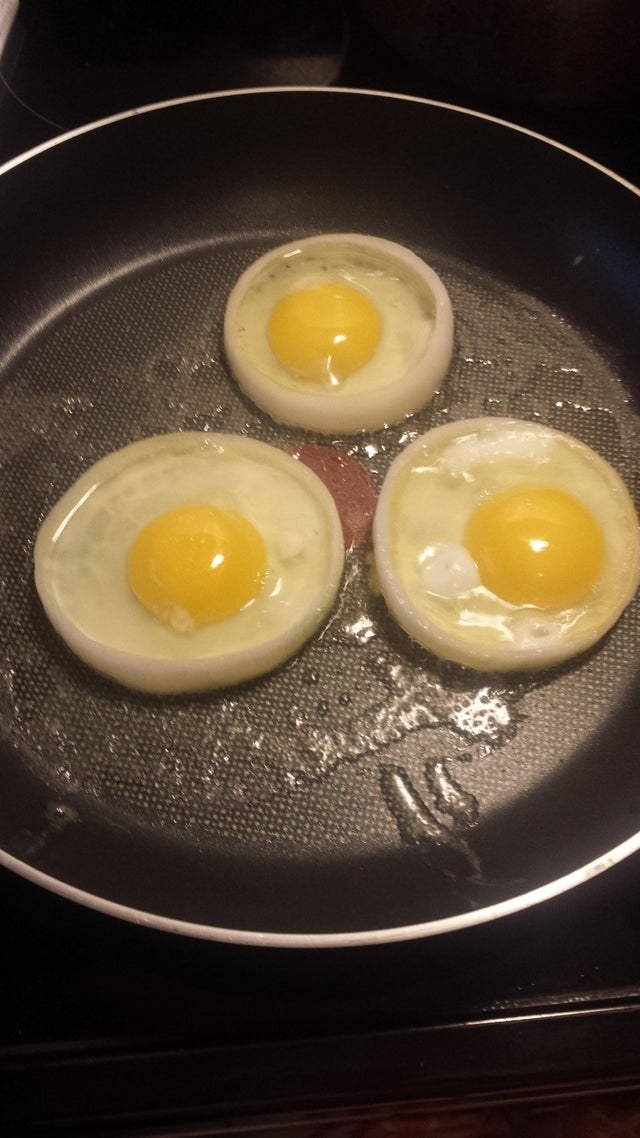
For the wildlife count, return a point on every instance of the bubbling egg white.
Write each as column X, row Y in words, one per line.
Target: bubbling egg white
column 190, row 561
column 339, row 333
column 505, row 545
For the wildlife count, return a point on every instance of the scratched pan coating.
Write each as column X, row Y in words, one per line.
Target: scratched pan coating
column 365, row 791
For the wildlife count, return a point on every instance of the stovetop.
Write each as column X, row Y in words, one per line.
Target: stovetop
column 110, row 1028
column 105, row 1022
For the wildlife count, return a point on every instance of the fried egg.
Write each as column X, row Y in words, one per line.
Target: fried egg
column 339, row 333
column 503, row 545
column 190, row 561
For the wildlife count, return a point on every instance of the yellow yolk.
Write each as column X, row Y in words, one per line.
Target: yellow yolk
column 196, row 565
column 325, row 332
column 534, row 545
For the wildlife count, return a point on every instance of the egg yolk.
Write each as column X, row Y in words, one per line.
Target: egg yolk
column 535, row 545
column 325, row 332
column 196, row 565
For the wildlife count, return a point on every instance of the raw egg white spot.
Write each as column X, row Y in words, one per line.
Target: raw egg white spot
column 448, row 569
column 500, row 441
column 531, row 630
column 181, row 621
column 289, row 546
column 413, row 348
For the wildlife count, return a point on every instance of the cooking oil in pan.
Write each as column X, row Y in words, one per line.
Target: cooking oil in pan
column 361, row 712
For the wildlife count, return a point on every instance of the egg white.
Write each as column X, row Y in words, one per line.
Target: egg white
column 429, row 580
column 411, row 360
column 81, row 550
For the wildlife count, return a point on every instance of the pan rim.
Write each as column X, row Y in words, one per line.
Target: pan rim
column 234, row 92
column 359, row 939
column 366, row 937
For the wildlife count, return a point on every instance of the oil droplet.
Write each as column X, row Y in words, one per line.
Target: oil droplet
column 60, row 814
column 418, row 825
column 415, row 821
column 416, row 702
column 448, row 796
column 361, row 630
column 484, row 713
column 56, row 816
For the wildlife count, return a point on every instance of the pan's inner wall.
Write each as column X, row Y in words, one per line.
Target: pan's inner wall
column 393, row 785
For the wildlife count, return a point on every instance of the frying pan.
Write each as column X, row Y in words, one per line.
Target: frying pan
column 365, row 792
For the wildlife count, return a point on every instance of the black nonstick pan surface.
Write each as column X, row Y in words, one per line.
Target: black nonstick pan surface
column 365, row 791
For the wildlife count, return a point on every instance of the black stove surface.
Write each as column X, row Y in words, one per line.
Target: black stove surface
column 110, row 1028
column 105, row 1023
